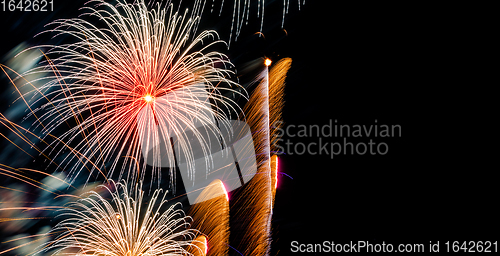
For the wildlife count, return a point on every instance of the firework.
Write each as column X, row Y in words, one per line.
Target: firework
column 252, row 205
column 144, row 88
column 274, row 174
column 122, row 225
column 200, row 246
column 127, row 88
column 241, row 13
column 256, row 200
column 277, row 76
column 27, row 202
column 211, row 218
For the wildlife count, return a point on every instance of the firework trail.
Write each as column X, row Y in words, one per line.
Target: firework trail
column 277, row 76
column 127, row 88
column 200, row 246
column 241, row 12
column 27, row 202
column 211, row 217
column 274, row 175
column 255, row 202
column 120, row 225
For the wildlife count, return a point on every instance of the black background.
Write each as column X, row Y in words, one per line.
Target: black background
column 354, row 63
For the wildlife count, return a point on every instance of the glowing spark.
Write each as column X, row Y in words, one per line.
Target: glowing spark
column 268, row 62
column 148, row 98
column 260, row 34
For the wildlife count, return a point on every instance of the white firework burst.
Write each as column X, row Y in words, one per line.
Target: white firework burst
column 131, row 86
column 122, row 225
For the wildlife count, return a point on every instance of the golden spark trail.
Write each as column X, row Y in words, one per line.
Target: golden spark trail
column 211, row 218
column 252, row 208
column 200, row 246
column 277, row 76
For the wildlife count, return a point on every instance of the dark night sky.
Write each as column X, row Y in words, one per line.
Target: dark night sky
column 354, row 63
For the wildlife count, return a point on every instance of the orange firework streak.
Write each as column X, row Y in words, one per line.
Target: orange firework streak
column 211, row 218
column 252, row 208
column 274, row 175
column 199, row 247
column 277, row 76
